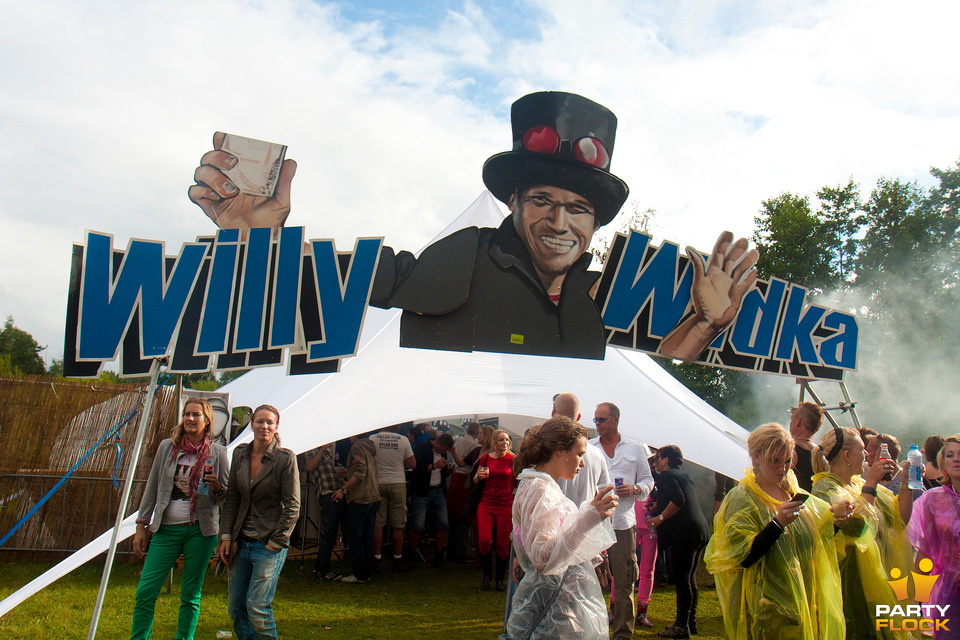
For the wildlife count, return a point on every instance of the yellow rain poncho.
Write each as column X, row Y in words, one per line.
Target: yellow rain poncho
column 861, row 561
column 792, row 592
column 892, row 535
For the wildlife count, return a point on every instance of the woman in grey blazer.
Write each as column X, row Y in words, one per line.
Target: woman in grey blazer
column 179, row 514
column 260, row 512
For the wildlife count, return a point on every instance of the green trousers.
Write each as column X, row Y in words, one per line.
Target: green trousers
column 165, row 547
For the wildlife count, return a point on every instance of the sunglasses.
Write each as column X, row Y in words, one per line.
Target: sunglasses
column 600, row 420
column 589, row 150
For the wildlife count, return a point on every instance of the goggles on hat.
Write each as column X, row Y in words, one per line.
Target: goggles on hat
column 589, row 150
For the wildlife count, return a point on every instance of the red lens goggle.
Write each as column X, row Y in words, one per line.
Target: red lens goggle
column 542, row 139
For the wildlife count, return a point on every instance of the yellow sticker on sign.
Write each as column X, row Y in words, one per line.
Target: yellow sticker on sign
column 516, row 338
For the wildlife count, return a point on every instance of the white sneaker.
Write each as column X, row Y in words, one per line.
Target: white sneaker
column 352, row 579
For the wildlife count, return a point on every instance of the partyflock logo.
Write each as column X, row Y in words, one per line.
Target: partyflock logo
column 913, row 617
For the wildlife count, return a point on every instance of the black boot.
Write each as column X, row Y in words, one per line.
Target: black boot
column 438, row 557
column 486, row 561
column 674, row 632
column 501, row 573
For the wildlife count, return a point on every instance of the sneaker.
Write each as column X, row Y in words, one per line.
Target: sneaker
column 399, row 565
column 352, row 579
column 332, row 576
column 377, row 565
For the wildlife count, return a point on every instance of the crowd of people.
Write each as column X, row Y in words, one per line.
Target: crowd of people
column 812, row 542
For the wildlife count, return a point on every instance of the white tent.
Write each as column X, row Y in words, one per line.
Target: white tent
column 385, row 384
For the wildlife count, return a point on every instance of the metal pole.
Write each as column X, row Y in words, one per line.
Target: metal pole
column 125, row 497
column 851, row 405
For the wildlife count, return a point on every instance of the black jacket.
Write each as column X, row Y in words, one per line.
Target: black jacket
column 420, row 475
column 688, row 524
column 477, row 289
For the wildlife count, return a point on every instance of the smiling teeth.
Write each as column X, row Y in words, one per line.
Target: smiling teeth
column 558, row 244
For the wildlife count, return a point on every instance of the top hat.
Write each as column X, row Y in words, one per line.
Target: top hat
column 561, row 140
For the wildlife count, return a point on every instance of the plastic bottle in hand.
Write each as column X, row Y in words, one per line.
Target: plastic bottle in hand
column 916, row 467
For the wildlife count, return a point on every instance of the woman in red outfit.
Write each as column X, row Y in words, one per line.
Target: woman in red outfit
column 495, row 512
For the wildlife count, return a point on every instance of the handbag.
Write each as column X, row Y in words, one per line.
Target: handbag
column 476, row 488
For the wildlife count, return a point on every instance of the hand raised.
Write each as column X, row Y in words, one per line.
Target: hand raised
column 718, row 290
column 223, row 202
column 605, row 502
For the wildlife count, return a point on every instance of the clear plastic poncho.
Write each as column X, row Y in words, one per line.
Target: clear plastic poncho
column 793, row 590
column 862, row 572
column 557, row 546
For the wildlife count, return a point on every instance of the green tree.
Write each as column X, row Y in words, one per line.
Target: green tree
column 842, row 216
column 23, row 351
column 55, row 370
column 794, row 243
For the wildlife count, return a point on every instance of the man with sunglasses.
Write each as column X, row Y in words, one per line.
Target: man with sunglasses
column 630, row 473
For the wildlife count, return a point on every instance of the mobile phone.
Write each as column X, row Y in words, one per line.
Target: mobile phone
column 800, row 497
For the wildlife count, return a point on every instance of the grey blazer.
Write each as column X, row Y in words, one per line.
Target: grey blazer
column 156, row 496
column 273, row 496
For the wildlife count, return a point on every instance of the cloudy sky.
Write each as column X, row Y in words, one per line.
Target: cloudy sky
column 391, row 107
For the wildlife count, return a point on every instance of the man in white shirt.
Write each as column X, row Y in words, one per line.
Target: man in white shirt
column 394, row 453
column 594, row 474
column 630, row 473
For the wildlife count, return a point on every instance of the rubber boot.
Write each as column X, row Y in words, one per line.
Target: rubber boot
column 486, row 561
column 501, row 574
column 642, row 620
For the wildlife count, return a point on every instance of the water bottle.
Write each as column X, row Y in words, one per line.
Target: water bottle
column 916, row 467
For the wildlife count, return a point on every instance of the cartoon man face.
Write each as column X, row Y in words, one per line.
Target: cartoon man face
column 555, row 224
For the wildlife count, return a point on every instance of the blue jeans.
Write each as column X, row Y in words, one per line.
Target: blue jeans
column 253, row 582
column 361, row 519
column 434, row 502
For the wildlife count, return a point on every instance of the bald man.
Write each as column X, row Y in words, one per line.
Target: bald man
column 594, row 474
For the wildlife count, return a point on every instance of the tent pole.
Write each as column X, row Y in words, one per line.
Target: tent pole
column 125, row 497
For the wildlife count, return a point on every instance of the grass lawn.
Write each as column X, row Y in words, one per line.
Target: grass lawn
column 423, row 603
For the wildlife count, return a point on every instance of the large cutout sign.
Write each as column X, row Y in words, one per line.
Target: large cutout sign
column 239, row 299
column 223, row 303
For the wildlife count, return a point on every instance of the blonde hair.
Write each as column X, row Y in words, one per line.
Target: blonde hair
column 207, row 412
column 828, row 442
column 488, row 432
column 769, row 442
column 945, row 479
